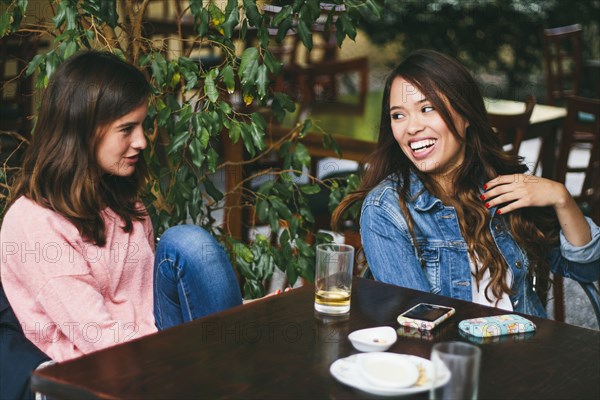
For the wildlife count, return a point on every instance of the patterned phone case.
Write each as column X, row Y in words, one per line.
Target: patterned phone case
column 425, row 325
column 497, row 325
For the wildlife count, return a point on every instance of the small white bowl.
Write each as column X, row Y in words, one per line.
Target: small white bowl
column 380, row 338
column 388, row 370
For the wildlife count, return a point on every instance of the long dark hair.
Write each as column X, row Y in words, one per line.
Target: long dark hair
column 446, row 83
column 60, row 171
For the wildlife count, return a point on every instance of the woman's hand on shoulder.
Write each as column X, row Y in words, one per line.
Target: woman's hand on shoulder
column 511, row 192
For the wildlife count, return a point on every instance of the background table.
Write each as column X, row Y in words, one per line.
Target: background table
column 278, row 348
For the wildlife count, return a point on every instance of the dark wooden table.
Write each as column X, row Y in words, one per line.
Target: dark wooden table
column 278, row 348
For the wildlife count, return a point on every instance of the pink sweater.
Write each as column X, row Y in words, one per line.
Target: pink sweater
column 72, row 297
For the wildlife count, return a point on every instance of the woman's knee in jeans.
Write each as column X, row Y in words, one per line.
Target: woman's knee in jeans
column 191, row 244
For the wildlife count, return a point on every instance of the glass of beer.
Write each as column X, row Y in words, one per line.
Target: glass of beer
column 333, row 278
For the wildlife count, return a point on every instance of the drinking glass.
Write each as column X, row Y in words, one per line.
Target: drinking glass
column 333, row 278
column 462, row 361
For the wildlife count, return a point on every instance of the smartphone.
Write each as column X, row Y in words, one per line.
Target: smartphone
column 497, row 325
column 425, row 316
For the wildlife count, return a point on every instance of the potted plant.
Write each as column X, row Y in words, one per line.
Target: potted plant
column 192, row 118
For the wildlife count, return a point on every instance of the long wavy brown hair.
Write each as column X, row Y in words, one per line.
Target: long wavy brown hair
column 60, row 171
column 446, row 83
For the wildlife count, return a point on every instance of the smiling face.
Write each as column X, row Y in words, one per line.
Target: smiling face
column 422, row 133
column 122, row 143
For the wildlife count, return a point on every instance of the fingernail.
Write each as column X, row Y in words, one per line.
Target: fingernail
column 499, row 212
column 482, row 197
column 278, row 291
column 487, row 205
column 484, row 187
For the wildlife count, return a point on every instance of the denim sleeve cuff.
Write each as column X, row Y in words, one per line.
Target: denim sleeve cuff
column 582, row 254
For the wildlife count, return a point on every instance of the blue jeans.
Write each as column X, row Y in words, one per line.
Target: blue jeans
column 192, row 277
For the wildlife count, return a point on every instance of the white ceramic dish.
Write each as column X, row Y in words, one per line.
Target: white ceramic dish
column 388, row 370
column 347, row 371
column 380, row 338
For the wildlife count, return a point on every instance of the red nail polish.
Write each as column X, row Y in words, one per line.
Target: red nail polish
column 499, row 212
column 482, row 197
column 485, row 187
column 487, row 205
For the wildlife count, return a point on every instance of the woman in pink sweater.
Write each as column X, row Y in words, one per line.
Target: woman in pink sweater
column 78, row 263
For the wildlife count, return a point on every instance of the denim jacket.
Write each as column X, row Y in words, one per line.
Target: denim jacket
column 393, row 258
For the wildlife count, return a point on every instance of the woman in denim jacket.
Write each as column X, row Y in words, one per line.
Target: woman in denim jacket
column 446, row 210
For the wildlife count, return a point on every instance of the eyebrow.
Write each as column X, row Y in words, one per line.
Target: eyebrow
column 128, row 124
column 394, row 108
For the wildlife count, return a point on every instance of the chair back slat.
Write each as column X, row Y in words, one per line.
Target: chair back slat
column 583, row 120
column 562, row 62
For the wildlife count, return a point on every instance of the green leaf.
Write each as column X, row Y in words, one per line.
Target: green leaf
column 305, row 249
column 266, row 187
column 70, row 49
column 283, row 30
column 285, row 13
column 212, row 159
column 273, row 220
column 225, row 107
column 71, row 15
column 34, row 64
column 302, row 155
column 306, row 214
column 305, row 35
column 262, row 210
column 330, row 143
column 247, row 139
column 345, row 25
column 4, row 23
column 282, row 210
column 212, row 190
column 310, row 189
column 210, row 88
column 285, row 237
column 252, row 13
column 291, row 273
column 272, row 63
column 232, row 18
column 204, row 137
column 159, row 68
column 307, row 269
column 163, row 116
column 109, row 10
column 228, row 78
column 235, row 131
column 281, row 103
column 249, row 65
column 203, row 22
column 262, row 81
column 178, row 142
column 196, row 152
column 257, row 132
column 52, row 61
column 60, row 15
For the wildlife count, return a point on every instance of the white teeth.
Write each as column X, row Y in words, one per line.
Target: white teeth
column 422, row 144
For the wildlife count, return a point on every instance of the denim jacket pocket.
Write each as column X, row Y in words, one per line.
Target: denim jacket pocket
column 431, row 258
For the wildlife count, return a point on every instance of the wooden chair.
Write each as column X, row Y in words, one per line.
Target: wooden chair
column 562, row 62
column 16, row 88
column 16, row 97
column 583, row 119
column 511, row 128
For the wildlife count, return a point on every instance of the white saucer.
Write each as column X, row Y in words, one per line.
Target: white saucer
column 347, row 371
